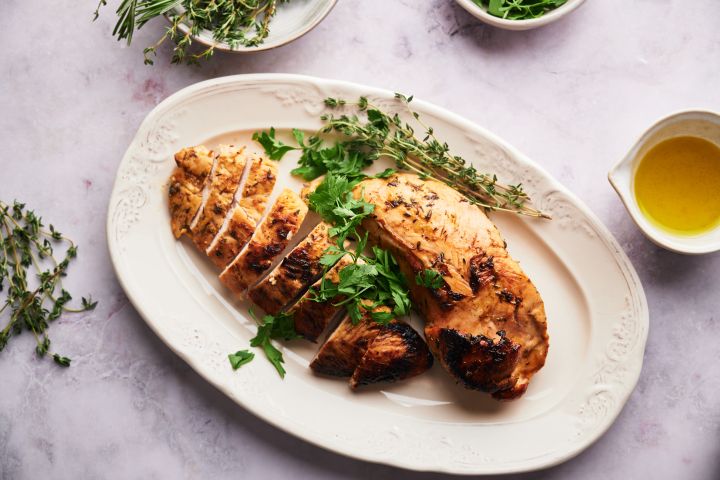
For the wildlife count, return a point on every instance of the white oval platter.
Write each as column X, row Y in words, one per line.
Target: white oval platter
column 596, row 308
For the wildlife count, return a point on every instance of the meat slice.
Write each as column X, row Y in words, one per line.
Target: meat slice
column 370, row 352
column 187, row 182
column 341, row 353
column 312, row 318
column 289, row 280
column 396, row 353
column 224, row 182
column 241, row 223
column 270, row 239
column 486, row 324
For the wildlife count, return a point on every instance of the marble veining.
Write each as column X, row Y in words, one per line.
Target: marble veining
column 572, row 96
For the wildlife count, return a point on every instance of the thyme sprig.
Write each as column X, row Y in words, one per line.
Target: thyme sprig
column 235, row 22
column 381, row 134
column 386, row 135
column 33, row 302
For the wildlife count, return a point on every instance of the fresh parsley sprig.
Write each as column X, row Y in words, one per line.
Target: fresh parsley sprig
column 369, row 282
column 519, row 9
column 240, row 358
column 333, row 200
column 270, row 327
column 33, row 301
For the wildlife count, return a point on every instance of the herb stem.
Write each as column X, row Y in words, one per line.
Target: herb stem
column 24, row 246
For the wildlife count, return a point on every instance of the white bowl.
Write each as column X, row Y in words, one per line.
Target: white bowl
column 292, row 21
column 550, row 17
column 695, row 123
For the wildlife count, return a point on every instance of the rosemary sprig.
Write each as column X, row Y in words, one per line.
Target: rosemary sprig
column 32, row 303
column 235, row 22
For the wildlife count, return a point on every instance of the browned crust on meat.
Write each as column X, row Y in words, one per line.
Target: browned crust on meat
column 258, row 186
column 260, row 181
column 478, row 361
column 397, row 353
column 340, row 355
column 297, row 271
column 426, row 224
column 239, row 230
column 312, row 318
column 273, row 235
column 225, row 180
column 369, row 352
column 187, row 181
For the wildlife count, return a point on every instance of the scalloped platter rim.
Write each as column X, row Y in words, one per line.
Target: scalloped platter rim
column 597, row 311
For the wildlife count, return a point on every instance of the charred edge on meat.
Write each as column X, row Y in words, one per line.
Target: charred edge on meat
column 446, row 297
column 482, row 272
column 299, row 265
column 509, row 297
column 416, row 358
column 479, row 362
column 260, row 259
column 439, row 265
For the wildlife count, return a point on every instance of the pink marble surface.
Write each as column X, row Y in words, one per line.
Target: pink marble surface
column 573, row 96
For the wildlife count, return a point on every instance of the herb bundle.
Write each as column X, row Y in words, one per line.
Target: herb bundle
column 235, row 22
column 382, row 134
column 33, row 303
column 519, row 9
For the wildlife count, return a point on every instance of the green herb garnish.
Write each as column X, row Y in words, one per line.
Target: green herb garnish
column 235, row 22
column 519, row 9
column 380, row 134
column 33, row 277
column 274, row 148
column 429, row 278
column 272, row 327
column 240, row 358
column 367, row 283
column 333, row 200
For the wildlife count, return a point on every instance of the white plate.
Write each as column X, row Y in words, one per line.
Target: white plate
column 596, row 308
column 292, row 20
